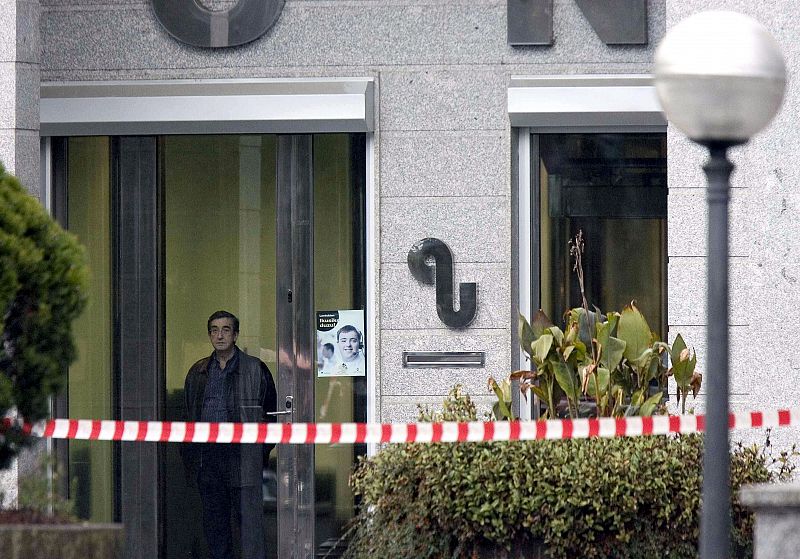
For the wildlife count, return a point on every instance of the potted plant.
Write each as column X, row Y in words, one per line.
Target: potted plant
column 42, row 290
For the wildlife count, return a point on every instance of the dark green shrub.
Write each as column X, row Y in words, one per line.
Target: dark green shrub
column 42, row 279
column 601, row 498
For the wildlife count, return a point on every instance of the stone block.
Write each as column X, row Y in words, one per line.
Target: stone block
column 8, row 38
column 28, row 40
column 27, row 96
column 8, row 152
column 776, row 534
column 8, row 106
column 475, row 229
column 687, row 290
column 330, row 33
column 688, row 222
column 455, row 98
column 406, row 410
column 458, row 163
column 27, row 160
column 399, row 381
column 408, row 304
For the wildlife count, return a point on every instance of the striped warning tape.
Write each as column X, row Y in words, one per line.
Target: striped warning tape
column 330, row 433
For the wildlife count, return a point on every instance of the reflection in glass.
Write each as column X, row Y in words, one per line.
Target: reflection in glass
column 338, row 284
column 90, row 386
column 614, row 188
column 220, row 254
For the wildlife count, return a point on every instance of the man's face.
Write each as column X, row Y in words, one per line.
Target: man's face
column 348, row 345
column 222, row 335
column 327, row 352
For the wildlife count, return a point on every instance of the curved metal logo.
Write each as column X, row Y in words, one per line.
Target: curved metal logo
column 191, row 23
column 440, row 274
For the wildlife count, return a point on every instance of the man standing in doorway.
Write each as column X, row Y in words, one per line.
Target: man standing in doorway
column 229, row 385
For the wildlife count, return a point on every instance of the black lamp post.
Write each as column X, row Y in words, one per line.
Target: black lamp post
column 720, row 77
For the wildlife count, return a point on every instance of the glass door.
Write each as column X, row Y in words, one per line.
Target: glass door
column 268, row 228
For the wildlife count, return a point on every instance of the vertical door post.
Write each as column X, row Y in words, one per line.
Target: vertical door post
column 295, row 328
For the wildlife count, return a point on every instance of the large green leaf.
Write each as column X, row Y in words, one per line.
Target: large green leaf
column 541, row 347
column 568, row 380
column 603, row 377
column 540, row 323
column 677, row 348
column 526, row 335
column 683, row 362
column 540, row 393
column 587, row 324
column 633, row 329
column 649, row 406
column 612, row 351
column 557, row 334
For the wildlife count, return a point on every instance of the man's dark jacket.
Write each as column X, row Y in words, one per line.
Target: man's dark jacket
column 249, row 395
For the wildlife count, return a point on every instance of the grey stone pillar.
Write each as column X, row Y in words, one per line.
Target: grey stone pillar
column 19, row 125
column 777, row 510
column 19, row 90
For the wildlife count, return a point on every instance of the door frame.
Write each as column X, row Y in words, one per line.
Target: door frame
column 267, row 106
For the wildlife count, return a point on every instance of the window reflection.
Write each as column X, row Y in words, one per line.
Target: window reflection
column 614, row 188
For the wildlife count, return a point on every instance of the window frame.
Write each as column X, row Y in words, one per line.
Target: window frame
column 539, row 105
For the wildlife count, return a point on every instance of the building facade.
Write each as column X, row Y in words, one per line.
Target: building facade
column 293, row 174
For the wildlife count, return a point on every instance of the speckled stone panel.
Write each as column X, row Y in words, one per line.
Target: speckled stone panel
column 28, row 43
column 8, row 152
column 371, row 33
column 8, row 39
column 8, row 95
column 397, row 380
column 27, row 163
column 27, row 96
column 765, row 229
column 418, row 307
column 477, row 229
column 688, row 222
column 444, row 163
column 444, row 99
column 404, row 409
column 687, row 287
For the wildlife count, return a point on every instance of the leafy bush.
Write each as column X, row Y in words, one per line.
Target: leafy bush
column 599, row 498
column 42, row 279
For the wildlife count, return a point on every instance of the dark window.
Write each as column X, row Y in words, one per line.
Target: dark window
column 613, row 187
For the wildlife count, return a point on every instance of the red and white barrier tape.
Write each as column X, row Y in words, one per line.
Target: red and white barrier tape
column 348, row 433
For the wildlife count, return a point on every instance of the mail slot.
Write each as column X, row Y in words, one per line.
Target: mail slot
column 443, row 359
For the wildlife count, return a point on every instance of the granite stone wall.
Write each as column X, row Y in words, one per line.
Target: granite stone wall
column 19, row 124
column 442, row 160
column 764, row 239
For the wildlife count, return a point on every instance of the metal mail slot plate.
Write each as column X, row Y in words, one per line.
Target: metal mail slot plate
column 443, row 359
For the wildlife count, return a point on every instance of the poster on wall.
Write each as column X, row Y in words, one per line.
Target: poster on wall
column 340, row 343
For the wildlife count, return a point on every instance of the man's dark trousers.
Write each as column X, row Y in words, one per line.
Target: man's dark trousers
column 222, row 502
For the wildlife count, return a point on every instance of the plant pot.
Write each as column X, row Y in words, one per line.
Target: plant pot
column 61, row 541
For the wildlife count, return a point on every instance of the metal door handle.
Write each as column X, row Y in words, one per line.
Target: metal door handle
column 289, row 404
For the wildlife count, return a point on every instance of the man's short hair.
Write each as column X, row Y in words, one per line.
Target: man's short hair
column 348, row 328
column 224, row 314
column 328, row 346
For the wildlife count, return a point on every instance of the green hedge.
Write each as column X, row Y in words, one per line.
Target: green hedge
column 42, row 279
column 600, row 498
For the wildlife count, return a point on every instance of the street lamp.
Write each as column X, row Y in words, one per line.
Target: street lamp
column 720, row 77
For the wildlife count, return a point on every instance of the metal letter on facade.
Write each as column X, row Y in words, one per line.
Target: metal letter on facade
column 616, row 22
column 191, row 23
column 440, row 274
